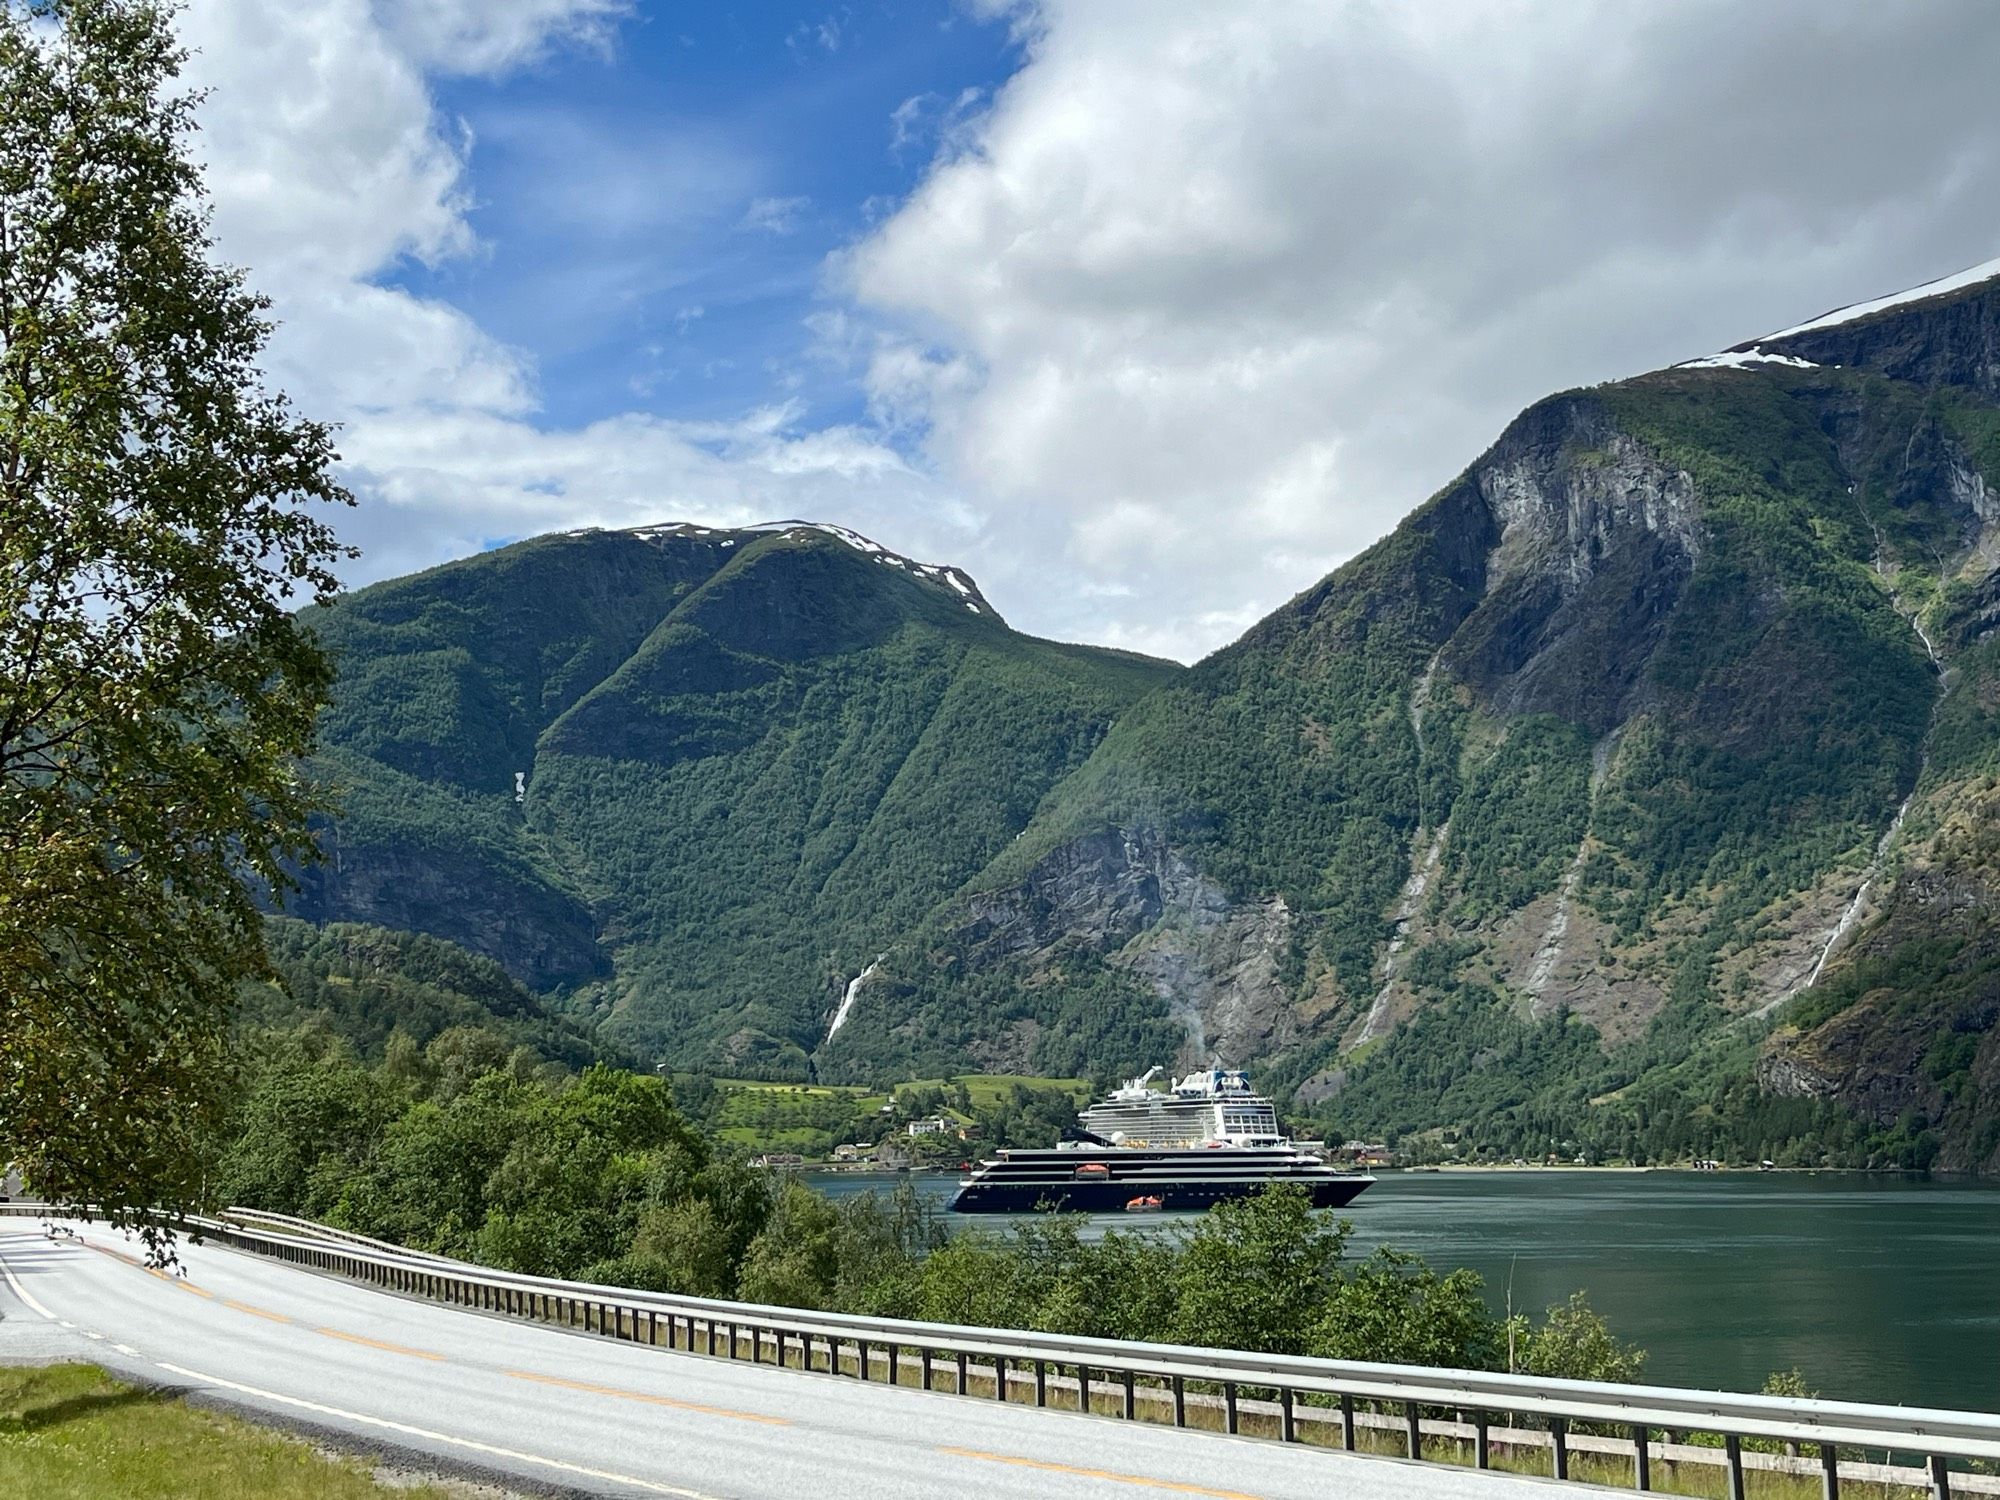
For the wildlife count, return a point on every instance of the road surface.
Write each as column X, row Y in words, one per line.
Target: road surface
column 576, row 1412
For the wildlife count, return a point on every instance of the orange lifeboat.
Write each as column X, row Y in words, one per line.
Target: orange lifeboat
column 1146, row 1205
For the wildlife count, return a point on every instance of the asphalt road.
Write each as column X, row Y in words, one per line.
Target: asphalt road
column 563, row 1409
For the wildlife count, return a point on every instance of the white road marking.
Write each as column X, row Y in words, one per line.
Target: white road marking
column 126, row 1349
column 437, row 1437
column 24, row 1294
column 89, row 1335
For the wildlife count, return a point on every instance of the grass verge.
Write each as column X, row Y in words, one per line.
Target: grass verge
column 73, row 1431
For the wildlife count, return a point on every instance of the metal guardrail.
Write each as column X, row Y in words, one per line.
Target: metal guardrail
column 1460, row 1408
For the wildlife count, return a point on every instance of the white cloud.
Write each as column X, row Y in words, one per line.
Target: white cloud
column 775, row 215
column 328, row 164
column 494, row 36
column 1212, row 294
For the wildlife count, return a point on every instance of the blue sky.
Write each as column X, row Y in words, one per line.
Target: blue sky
column 655, row 221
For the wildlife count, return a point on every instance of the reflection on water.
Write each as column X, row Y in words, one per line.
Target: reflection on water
column 1879, row 1288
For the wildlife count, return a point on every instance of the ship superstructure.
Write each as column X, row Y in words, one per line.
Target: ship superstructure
column 1216, row 1104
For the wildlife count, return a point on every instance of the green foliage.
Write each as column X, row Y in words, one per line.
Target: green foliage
column 508, row 1165
column 1518, row 822
column 1575, row 1343
column 1469, row 1061
column 1392, row 1308
column 1254, row 1273
column 159, row 504
column 814, row 1118
column 368, row 985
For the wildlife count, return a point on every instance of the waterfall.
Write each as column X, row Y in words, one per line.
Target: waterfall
column 847, row 999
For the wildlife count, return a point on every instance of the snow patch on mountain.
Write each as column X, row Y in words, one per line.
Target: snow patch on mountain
column 943, row 573
column 1957, row 282
column 1743, row 359
column 959, row 581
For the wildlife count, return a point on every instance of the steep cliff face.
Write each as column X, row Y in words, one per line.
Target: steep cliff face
column 1620, row 729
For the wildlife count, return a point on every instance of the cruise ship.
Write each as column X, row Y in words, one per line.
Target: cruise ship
column 1209, row 1138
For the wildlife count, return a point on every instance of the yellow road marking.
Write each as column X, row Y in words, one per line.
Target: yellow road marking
column 255, row 1312
column 1158, row 1484
column 357, row 1338
column 611, row 1390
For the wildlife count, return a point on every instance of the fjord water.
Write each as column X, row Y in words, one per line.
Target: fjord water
column 1879, row 1288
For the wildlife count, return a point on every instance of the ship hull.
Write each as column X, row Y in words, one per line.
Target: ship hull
column 1189, row 1195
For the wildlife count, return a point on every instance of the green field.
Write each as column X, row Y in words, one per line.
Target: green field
column 73, row 1431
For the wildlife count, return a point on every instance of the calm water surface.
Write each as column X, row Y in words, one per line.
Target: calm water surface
column 1879, row 1288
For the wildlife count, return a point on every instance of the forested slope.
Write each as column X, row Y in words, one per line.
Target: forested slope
column 747, row 761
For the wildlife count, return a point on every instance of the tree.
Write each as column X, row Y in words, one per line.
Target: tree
column 160, row 511
column 1575, row 1343
column 1255, row 1273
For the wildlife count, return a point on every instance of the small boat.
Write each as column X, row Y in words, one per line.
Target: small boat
column 1148, row 1205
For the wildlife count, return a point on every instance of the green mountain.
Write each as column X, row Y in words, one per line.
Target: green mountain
column 1540, row 818
column 694, row 781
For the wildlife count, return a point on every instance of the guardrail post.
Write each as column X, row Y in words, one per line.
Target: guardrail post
column 1347, row 1423
column 1732, row 1448
column 959, row 1389
column 861, row 1358
column 711, row 1337
column 1131, row 1398
column 1229, row 1404
column 1642, row 1459
column 1082, row 1388
column 895, row 1375
column 924, row 1365
column 999, row 1377
column 1287, row 1429
column 1415, row 1433
column 1482, row 1443
column 1940, row 1477
column 1041, row 1382
column 1180, row 1401
column 1829, row 1469
column 1559, row 1436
